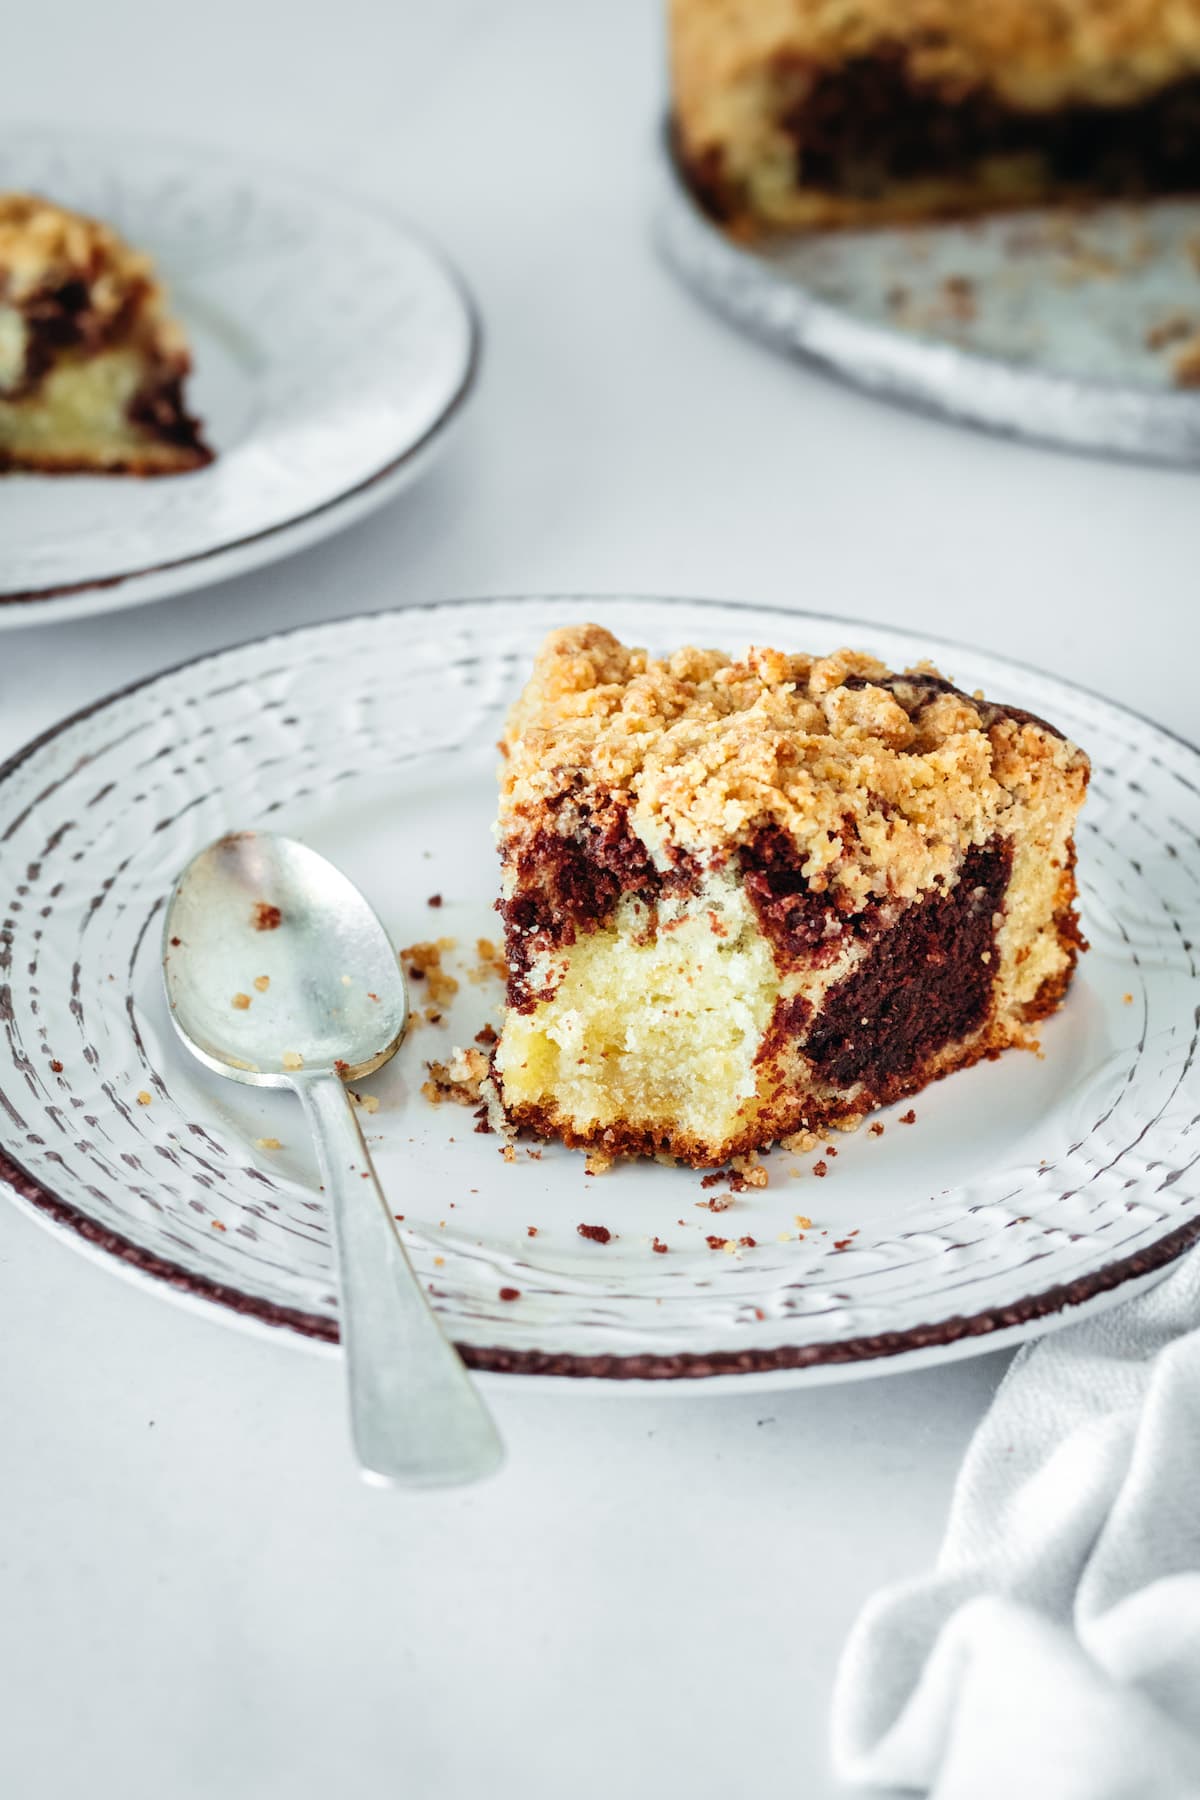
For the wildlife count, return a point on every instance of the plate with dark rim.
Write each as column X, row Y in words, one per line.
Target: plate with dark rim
column 1075, row 327
column 333, row 346
column 1026, row 1192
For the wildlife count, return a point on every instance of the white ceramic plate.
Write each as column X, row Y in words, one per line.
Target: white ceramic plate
column 1026, row 1190
column 1043, row 324
column 332, row 345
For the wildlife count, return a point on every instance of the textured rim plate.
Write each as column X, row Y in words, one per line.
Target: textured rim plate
column 1025, row 1188
column 1037, row 325
column 331, row 344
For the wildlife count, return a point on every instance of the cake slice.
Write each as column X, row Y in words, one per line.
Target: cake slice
column 747, row 899
column 797, row 113
column 91, row 366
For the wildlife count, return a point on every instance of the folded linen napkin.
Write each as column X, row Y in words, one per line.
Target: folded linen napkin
column 1055, row 1649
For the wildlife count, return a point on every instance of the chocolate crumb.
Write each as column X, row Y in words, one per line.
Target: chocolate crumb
column 487, row 1035
column 716, row 1243
column 596, row 1234
column 908, row 1118
column 718, row 1203
column 266, row 917
column 507, row 1293
column 56, row 1066
column 658, row 1247
column 531, row 1231
column 875, row 1128
column 747, row 1243
column 434, row 900
column 820, row 1170
column 175, row 943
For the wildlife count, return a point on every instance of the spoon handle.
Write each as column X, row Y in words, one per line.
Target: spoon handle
column 416, row 1417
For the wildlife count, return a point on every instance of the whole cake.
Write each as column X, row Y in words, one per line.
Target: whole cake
column 834, row 112
column 747, row 899
column 91, row 366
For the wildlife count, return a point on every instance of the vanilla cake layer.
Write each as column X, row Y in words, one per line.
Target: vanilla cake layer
column 802, row 113
column 91, row 367
column 744, row 899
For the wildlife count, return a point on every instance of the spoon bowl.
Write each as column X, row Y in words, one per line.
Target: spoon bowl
column 270, row 953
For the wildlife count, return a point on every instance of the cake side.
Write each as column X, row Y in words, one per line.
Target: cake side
column 801, row 113
column 742, row 899
column 91, row 365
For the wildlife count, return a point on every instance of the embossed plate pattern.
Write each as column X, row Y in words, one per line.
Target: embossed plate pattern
column 1024, row 1189
column 331, row 347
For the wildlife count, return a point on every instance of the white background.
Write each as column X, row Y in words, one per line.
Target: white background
column 197, row 1599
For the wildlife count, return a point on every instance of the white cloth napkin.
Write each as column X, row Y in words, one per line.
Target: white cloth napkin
column 1055, row 1649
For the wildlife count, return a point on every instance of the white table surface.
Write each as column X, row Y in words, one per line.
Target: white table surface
column 197, row 1597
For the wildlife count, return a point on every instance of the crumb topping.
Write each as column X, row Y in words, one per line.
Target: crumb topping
column 43, row 246
column 882, row 782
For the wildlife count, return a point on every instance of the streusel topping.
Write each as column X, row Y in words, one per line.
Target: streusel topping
column 882, row 782
column 43, row 246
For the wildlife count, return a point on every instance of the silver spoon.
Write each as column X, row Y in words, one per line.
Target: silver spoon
column 278, row 974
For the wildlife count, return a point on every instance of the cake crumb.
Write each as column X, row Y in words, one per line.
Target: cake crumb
column 800, row 1142
column 1185, row 365
column 716, row 1243
column 718, row 1203
column 368, row 1102
column 875, row 1128
column 803, row 1221
column 1127, row 1000
column 266, row 917
column 747, row 1243
column 598, row 1163
column 423, row 962
column 820, row 1170
column 1169, row 330
column 530, row 1230
column 487, row 1034
column 458, row 1080
column 143, row 1098
column 508, row 1152
column 216, row 1225
column 751, row 1172
column 241, row 1002
column 658, row 1247
column 830, row 1150
column 490, row 964
column 908, row 1118
column 439, row 1262
column 262, row 983
column 268, row 1143
column 292, row 1059
column 595, row 1234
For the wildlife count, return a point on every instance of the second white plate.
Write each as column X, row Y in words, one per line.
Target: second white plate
column 332, row 346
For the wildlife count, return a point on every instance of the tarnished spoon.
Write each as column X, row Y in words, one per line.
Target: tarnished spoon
column 278, row 974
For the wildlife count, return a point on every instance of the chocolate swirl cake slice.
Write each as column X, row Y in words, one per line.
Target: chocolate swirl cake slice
column 748, row 898
column 798, row 113
column 91, row 366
